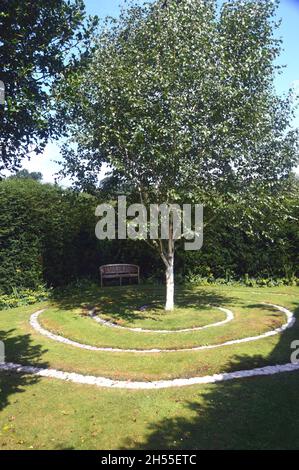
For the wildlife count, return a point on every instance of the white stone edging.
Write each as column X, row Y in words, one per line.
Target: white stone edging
column 159, row 384
column 290, row 322
column 229, row 317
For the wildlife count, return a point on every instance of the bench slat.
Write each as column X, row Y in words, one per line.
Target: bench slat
column 112, row 271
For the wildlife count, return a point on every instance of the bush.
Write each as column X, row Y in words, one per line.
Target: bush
column 243, row 281
column 47, row 235
column 23, row 297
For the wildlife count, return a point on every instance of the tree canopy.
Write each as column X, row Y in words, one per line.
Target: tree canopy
column 25, row 174
column 178, row 99
column 181, row 97
column 37, row 41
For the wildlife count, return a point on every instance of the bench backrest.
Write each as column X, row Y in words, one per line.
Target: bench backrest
column 119, row 269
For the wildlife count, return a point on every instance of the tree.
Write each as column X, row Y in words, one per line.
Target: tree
column 179, row 100
column 37, row 41
column 25, row 174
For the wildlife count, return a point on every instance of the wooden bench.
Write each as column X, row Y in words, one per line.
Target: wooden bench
column 119, row 271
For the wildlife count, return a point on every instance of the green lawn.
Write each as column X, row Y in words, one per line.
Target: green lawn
column 249, row 413
column 250, row 319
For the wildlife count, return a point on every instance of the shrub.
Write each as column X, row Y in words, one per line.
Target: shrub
column 23, row 297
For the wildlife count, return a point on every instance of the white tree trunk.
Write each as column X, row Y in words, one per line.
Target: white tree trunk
column 170, row 283
column 168, row 259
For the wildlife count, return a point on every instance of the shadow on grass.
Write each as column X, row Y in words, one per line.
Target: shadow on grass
column 251, row 413
column 124, row 303
column 18, row 349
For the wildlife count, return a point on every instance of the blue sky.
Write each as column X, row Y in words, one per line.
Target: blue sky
column 289, row 31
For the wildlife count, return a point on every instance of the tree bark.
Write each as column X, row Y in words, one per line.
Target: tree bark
column 167, row 255
column 170, row 282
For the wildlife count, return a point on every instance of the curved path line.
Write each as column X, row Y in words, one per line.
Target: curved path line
column 122, row 384
column 290, row 322
column 229, row 317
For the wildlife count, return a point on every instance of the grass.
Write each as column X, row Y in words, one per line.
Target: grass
column 49, row 414
column 250, row 320
column 156, row 318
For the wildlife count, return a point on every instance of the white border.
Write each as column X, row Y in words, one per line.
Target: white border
column 290, row 322
column 159, row 384
column 229, row 317
column 122, row 384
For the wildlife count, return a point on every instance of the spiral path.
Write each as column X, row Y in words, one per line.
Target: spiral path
column 159, row 384
column 229, row 317
column 36, row 325
column 131, row 385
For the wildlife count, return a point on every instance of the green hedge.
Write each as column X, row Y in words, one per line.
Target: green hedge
column 46, row 235
column 47, row 238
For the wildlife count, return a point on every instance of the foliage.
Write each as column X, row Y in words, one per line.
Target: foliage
column 257, row 234
column 34, row 175
column 20, row 297
column 47, row 235
column 195, row 108
column 179, row 100
column 38, row 40
column 242, row 281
